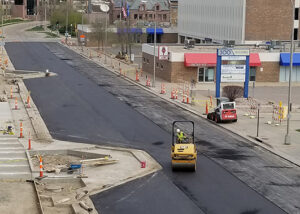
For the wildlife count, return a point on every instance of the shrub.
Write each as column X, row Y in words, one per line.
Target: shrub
column 232, row 92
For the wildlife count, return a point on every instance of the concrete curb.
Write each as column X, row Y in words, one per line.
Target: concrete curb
column 38, row 197
column 277, row 153
column 37, row 122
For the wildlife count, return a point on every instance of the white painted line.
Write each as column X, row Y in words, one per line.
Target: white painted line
column 11, row 152
column 8, row 138
column 9, row 143
column 15, row 173
column 13, row 148
column 75, row 136
column 13, row 159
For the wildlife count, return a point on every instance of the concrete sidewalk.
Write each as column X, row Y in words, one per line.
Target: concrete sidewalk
column 271, row 136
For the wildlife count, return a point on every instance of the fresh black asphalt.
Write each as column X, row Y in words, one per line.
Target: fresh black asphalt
column 75, row 107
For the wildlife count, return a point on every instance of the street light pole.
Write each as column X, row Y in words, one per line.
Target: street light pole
column 105, row 36
column 45, row 26
column 154, row 56
column 67, row 17
column 287, row 139
column 81, row 29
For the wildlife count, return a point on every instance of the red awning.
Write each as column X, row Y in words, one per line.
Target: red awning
column 210, row 59
column 254, row 60
column 200, row 59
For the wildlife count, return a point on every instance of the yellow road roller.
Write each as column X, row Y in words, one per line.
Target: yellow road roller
column 184, row 152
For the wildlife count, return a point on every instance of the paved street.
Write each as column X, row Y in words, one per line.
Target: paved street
column 95, row 106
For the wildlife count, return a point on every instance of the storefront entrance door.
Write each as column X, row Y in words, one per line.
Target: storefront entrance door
column 201, row 75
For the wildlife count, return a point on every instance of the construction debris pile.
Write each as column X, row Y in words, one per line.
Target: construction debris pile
column 64, row 196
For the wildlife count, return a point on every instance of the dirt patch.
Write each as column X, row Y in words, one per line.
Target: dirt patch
column 51, row 162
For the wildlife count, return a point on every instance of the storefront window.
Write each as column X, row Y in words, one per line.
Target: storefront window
column 209, row 75
column 252, row 73
column 201, row 75
column 206, row 75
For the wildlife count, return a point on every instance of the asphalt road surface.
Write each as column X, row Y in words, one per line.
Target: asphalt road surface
column 87, row 103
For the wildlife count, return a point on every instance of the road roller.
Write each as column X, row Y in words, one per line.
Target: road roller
column 184, row 152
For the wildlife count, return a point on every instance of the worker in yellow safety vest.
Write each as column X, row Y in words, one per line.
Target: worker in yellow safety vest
column 180, row 136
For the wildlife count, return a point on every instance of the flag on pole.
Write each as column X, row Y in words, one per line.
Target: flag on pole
column 124, row 9
column 124, row 12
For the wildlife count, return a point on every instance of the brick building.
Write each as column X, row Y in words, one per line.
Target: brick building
column 142, row 11
column 198, row 64
column 237, row 20
column 24, row 8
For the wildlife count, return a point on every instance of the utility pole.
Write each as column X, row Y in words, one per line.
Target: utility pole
column 154, row 57
column 45, row 24
column 105, row 36
column 2, row 29
column 82, row 28
column 67, row 20
column 287, row 139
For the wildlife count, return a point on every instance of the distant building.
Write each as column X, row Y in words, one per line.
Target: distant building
column 142, row 11
column 237, row 20
column 24, row 8
column 173, row 12
column 198, row 64
column 142, row 14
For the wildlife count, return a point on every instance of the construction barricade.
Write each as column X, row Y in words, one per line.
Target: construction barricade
column 279, row 113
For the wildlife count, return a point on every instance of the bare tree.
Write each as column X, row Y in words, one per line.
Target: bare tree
column 232, row 92
column 99, row 31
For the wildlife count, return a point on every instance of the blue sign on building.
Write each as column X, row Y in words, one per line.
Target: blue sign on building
column 232, row 66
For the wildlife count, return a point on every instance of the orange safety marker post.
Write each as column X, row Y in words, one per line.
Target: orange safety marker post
column 206, row 108
column 176, row 94
column 28, row 102
column 28, row 98
column 137, row 78
column 11, row 94
column 183, row 98
column 210, row 101
column 29, row 141
column 16, row 104
column 163, row 89
column 172, row 94
column 21, row 130
column 41, row 167
column 187, row 100
column 143, row 164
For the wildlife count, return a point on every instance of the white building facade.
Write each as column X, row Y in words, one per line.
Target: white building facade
column 217, row 20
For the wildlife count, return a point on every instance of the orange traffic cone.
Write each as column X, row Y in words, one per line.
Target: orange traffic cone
column 16, row 104
column 206, row 108
column 29, row 141
column 21, row 130
column 41, row 167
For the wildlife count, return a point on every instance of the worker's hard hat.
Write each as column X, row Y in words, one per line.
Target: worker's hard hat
column 178, row 130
